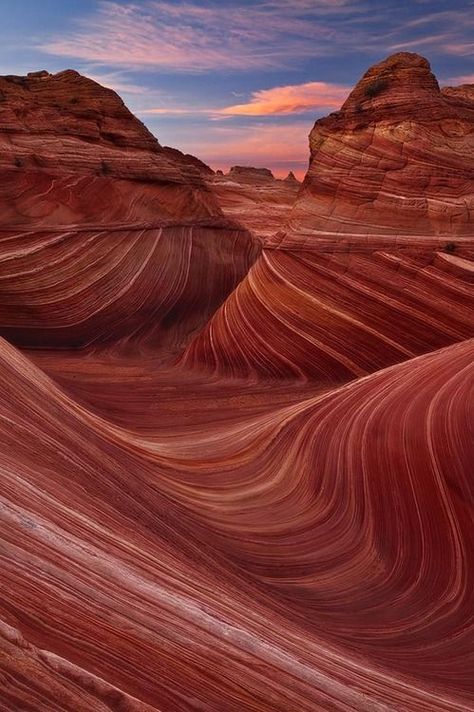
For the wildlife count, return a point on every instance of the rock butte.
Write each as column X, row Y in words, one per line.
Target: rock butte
column 236, row 412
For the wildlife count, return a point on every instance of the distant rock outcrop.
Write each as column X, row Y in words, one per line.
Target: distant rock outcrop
column 255, row 198
column 248, row 174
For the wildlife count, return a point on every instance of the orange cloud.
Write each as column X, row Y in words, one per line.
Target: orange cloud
column 286, row 100
column 291, row 99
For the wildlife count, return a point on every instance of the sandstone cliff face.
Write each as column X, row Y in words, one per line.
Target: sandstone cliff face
column 396, row 161
column 74, row 115
column 91, row 204
column 382, row 224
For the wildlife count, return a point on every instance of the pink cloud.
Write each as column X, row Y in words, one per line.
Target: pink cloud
column 115, row 81
column 434, row 39
column 464, row 79
column 171, row 111
column 291, row 99
column 461, row 49
column 456, row 81
column 285, row 100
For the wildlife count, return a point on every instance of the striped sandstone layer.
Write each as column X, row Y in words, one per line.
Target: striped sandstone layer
column 376, row 262
column 230, row 560
column 278, row 519
column 104, row 233
column 255, row 198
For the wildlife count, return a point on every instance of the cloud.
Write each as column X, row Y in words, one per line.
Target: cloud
column 281, row 148
column 456, row 81
column 116, row 81
column 171, row 111
column 432, row 40
column 291, row 99
column 461, row 49
column 447, row 32
column 278, row 101
column 192, row 36
column 213, row 35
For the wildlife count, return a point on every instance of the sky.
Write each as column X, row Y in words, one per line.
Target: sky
column 234, row 82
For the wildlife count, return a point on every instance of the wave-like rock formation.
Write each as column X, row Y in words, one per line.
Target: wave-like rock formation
column 104, row 233
column 381, row 228
column 234, row 478
column 312, row 576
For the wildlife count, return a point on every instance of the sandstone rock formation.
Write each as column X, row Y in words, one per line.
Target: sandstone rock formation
column 399, row 155
column 255, row 198
column 381, row 227
column 276, row 513
column 92, row 205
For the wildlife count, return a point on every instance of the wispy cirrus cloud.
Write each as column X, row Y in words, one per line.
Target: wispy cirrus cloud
column 116, row 81
column 418, row 42
column 464, row 79
column 458, row 80
column 209, row 35
column 460, row 49
column 447, row 32
column 187, row 36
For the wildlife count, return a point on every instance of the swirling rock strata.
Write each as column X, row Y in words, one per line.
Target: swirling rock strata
column 107, row 577
column 381, row 227
column 336, row 315
column 104, row 233
column 292, row 528
column 396, row 160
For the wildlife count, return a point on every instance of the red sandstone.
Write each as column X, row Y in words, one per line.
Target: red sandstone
column 236, row 413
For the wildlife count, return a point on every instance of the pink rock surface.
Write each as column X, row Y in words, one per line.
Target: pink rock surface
column 104, row 233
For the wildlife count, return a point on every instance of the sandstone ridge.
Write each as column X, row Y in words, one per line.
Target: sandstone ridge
column 88, row 193
column 382, row 220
